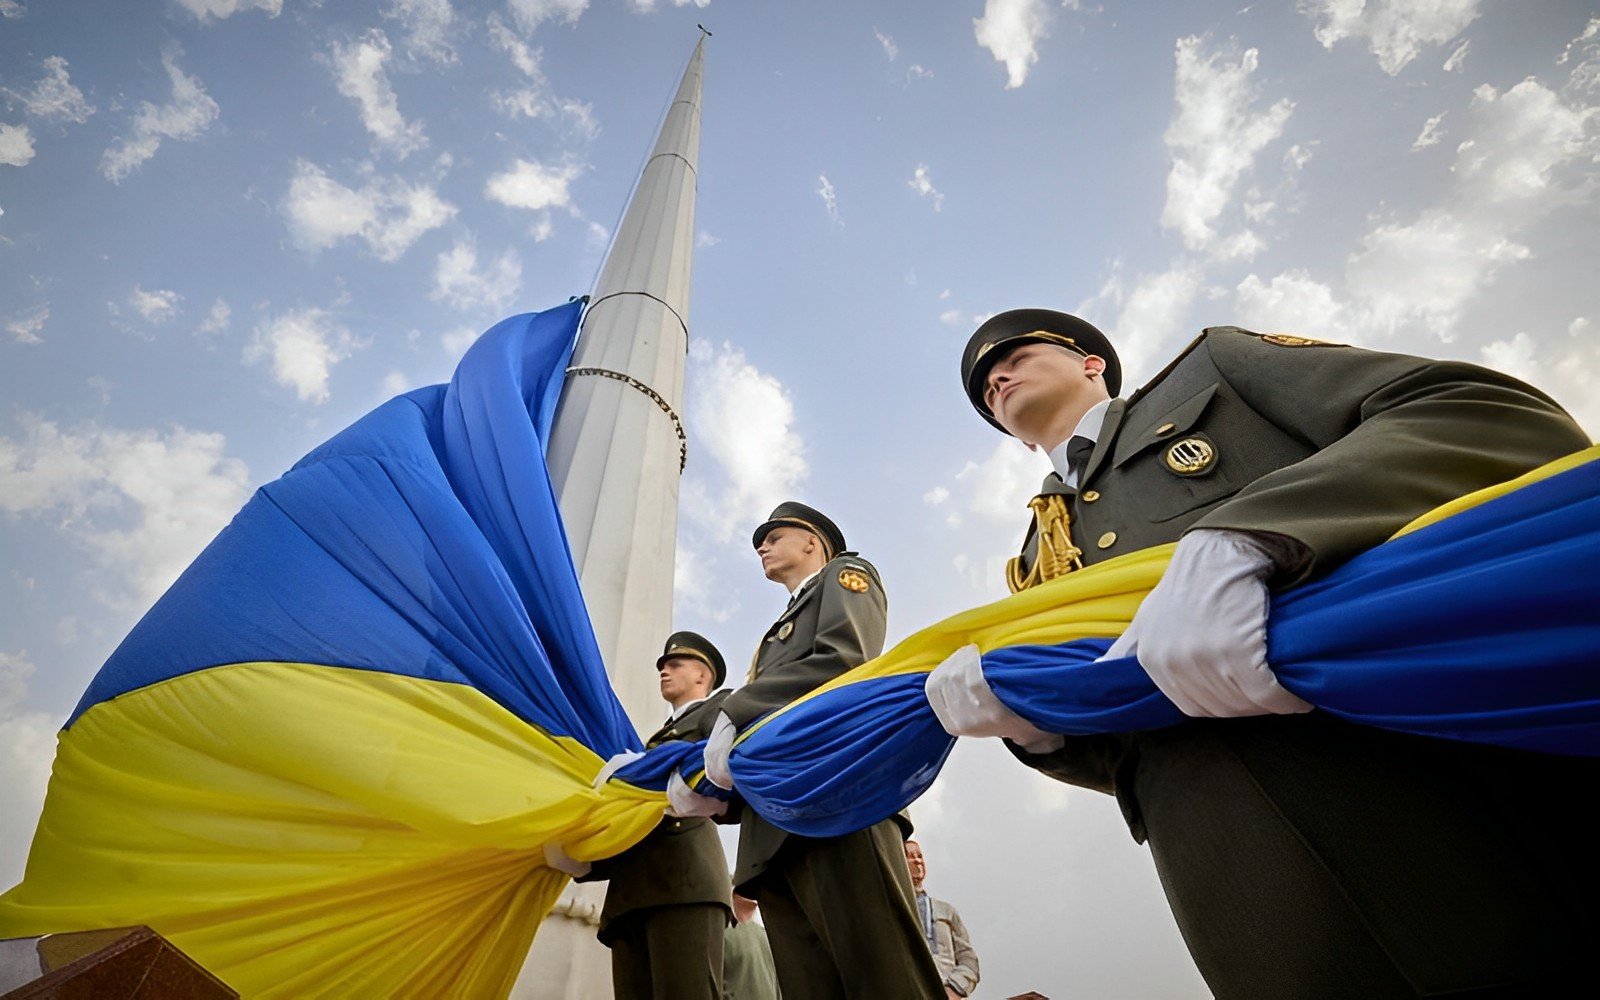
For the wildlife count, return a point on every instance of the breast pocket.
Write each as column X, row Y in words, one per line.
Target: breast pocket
column 1176, row 464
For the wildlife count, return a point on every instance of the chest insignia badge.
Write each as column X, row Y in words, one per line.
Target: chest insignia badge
column 1290, row 340
column 1191, row 456
column 853, row 580
column 785, row 630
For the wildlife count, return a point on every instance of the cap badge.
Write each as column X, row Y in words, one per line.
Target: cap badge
column 853, row 581
column 1191, row 456
column 1290, row 340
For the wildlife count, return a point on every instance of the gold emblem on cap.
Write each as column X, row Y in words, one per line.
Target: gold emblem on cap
column 853, row 581
column 1191, row 456
column 1290, row 340
column 785, row 630
column 985, row 349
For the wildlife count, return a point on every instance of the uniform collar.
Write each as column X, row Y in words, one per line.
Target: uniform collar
column 677, row 713
column 802, row 585
column 1089, row 426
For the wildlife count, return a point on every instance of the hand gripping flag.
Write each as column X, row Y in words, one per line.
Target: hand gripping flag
column 1477, row 622
column 331, row 758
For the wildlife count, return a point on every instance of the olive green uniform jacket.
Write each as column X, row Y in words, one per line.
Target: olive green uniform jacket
column 682, row 860
column 1377, row 864
column 835, row 622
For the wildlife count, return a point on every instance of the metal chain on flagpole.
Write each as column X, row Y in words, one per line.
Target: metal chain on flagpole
column 660, row 401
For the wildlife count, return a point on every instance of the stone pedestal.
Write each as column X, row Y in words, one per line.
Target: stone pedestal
column 125, row 963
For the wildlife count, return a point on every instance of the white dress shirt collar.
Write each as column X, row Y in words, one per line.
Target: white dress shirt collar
column 1088, row 427
column 677, row 713
column 799, row 586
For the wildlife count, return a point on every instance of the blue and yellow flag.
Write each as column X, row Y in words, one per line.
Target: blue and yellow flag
column 330, row 759
column 1478, row 622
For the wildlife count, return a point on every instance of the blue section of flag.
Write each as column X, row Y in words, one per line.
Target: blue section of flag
column 424, row 540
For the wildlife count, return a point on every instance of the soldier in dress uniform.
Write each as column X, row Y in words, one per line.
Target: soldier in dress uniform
column 1303, row 856
column 840, row 913
column 668, row 903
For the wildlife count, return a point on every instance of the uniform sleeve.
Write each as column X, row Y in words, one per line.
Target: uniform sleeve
column 850, row 631
column 1395, row 436
column 964, row 977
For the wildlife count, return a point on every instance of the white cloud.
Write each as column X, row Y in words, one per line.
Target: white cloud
column 936, row 496
column 1011, row 31
column 922, row 184
column 303, row 347
column 27, row 747
column 1150, row 314
column 916, row 71
column 1425, row 271
column 830, row 198
column 523, row 56
column 54, row 96
column 16, row 145
column 427, row 24
column 205, row 10
column 455, row 342
column 395, row 383
column 890, row 49
column 742, row 419
column 459, row 281
column 1457, row 57
column 1396, row 30
column 24, row 326
column 705, row 239
column 1519, row 141
column 190, row 112
column 533, row 185
column 1213, row 138
column 142, row 502
column 951, row 317
column 217, row 319
column 157, row 306
column 1565, row 368
column 1430, row 134
column 529, row 14
column 360, row 71
column 387, row 213
column 1292, row 302
column 12, row 8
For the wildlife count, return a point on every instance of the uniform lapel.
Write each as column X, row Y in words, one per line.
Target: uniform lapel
column 1104, row 443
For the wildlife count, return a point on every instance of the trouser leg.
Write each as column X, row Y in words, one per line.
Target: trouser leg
column 630, row 958
column 804, row 967
column 856, row 895
column 685, row 945
column 1305, row 857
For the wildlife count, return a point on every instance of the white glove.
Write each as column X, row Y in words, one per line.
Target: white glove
column 967, row 706
column 718, row 746
column 558, row 859
column 683, row 801
column 614, row 765
column 1201, row 634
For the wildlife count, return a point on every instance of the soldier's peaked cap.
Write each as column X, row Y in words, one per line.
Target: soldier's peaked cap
column 798, row 515
column 696, row 647
column 1031, row 326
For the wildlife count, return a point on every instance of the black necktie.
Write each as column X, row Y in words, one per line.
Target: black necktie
column 1078, row 451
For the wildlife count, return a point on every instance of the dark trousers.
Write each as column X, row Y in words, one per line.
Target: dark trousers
column 668, row 952
column 842, row 919
column 1307, row 858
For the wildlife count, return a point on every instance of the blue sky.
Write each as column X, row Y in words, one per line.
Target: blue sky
column 228, row 228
